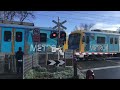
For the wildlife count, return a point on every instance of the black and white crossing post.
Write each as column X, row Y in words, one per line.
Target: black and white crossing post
column 59, row 27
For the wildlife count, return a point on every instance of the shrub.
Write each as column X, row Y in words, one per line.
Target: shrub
column 60, row 73
column 40, row 69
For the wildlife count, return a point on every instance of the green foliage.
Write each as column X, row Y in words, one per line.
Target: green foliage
column 40, row 69
column 59, row 73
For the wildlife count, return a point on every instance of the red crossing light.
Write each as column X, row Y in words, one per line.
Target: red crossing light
column 62, row 35
column 53, row 35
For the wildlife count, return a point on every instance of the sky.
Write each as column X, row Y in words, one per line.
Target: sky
column 107, row 20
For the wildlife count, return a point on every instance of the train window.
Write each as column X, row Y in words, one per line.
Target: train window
column 111, row 40
column 43, row 37
column 18, row 36
column 87, row 39
column 116, row 40
column 74, row 39
column 100, row 40
column 7, row 36
column 83, row 39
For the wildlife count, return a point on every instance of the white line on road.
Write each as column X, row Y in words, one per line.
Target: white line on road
column 100, row 68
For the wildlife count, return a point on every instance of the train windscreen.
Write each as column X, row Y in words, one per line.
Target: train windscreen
column 74, row 41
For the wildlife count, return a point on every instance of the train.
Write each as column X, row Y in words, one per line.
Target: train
column 16, row 34
column 94, row 44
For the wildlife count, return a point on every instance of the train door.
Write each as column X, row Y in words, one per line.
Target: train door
column 87, row 43
column 19, row 39
column 111, row 43
column 6, row 40
column 116, row 44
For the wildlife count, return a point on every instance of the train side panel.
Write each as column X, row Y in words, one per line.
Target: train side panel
column 97, row 43
column 119, row 44
column 6, row 40
column 19, row 39
column 49, row 41
column 0, row 37
column 45, row 41
column 113, row 43
column 28, row 43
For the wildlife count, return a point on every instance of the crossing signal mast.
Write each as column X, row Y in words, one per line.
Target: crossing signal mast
column 61, row 35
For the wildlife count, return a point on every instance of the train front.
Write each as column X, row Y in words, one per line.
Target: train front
column 74, row 41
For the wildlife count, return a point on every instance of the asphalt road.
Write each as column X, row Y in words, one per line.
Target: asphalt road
column 110, row 73
column 108, row 69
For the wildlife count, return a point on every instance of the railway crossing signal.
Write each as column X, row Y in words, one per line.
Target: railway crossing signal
column 55, row 27
column 54, row 21
column 59, row 26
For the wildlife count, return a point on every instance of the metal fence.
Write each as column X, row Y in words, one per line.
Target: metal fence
column 29, row 61
column 7, row 63
column 2, row 62
column 44, row 57
column 38, row 59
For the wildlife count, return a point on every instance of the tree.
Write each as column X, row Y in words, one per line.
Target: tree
column 86, row 27
column 76, row 28
column 12, row 15
column 22, row 15
column 118, row 30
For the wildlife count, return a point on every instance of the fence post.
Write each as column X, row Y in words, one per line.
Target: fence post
column 75, row 65
column 23, row 66
column 11, row 58
column 15, row 63
column 32, row 60
column 46, row 57
column 9, row 68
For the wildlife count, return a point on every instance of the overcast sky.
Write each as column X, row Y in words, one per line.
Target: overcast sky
column 108, row 20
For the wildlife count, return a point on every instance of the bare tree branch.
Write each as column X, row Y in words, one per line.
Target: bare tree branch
column 11, row 15
column 86, row 27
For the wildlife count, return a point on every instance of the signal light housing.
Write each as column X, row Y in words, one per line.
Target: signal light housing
column 53, row 35
column 62, row 34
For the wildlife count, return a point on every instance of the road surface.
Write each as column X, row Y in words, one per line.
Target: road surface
column 109, row 73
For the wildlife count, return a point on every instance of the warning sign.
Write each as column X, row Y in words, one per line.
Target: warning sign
column 69, row 54
column 69, row 57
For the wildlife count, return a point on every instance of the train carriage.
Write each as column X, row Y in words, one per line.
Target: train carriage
column 13, row 36
column 94, row 44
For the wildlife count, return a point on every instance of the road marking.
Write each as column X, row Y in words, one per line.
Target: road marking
column 100, row 68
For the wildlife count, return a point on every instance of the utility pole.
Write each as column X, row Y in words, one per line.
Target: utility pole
column 58, row 32
column 58, row 37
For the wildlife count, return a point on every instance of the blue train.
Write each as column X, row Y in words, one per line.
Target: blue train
column 13, row 36
column 94, row 43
